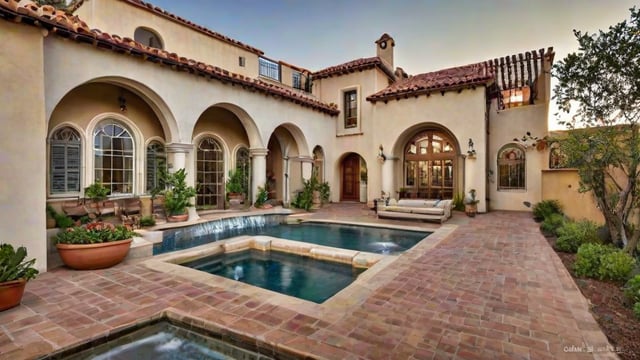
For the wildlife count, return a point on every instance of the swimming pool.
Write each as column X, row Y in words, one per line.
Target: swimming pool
column 353, row 237
column 290, row 274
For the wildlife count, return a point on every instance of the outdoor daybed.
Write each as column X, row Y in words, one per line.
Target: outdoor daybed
column 419, row 209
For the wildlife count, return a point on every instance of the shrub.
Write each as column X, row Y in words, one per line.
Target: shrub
column 636, row 310
column 615, row 266
column 573, row 234
column 97, row 232
column 458, row 201
column 545, row 208
column 63, row 221
column 261, row 197
column 588, row 259
column 632, row 289
column 552, row 223
column 147, row 221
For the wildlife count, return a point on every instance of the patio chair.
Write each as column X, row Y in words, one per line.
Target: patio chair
column 132, row 206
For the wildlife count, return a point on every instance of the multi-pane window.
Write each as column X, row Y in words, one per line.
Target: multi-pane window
column 557, row 159
column 429, row 166
column 268, row 68
column 511, row 168
column 64, row 149
column 350, row 109
column 296, row 80
column 156, row 166
column 113, row 157
column 210, row 174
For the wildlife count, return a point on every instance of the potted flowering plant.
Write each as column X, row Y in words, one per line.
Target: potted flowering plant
column 15, row 271
column 96, row 245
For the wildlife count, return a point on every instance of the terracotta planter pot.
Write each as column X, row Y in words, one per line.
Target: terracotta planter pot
column 178, row 218
column 471, row 209
column 11, row 293
column 94, row 256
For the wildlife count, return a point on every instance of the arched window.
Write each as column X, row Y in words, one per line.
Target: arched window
column 243, row 163
column 64, row 170
column 557, row 159
column 148, row 37
column 511, row 168
column 156, row 166
column 429, row 159
column 113, row 157
column 210, row 174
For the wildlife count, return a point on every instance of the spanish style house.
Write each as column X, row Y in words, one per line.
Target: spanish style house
column 120, row 90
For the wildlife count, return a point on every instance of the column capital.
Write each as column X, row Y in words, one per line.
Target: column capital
column 178, row 148
column 258, row 151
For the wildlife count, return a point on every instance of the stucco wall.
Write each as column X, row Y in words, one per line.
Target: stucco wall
column 22, row 162
column 505, row 125
column 563, row 185
column 461, row 113
column 117, row 17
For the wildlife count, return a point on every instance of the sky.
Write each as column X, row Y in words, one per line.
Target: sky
column 429, row 34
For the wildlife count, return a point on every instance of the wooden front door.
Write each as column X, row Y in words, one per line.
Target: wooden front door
column 351, row 178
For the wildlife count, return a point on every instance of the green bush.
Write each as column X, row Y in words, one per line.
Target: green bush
column 588, row 259
column 458, row 201
column 632, row 289
column 615, row 266
column 63, row 221
column 147, row 221
column 636, row 310
column 573, row 234
column 544, row 209
column 552, row 223
column 261, row 197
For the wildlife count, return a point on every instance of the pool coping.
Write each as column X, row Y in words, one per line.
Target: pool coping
column 377, row 274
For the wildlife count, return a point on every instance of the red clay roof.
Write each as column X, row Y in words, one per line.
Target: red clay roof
column 353, row 66
column 441, row 80
column 507, row 72
column 69, row 26
column 167, row 15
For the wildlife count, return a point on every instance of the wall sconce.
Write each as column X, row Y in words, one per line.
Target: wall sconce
column 381, row 156
column 471, row 152
column 123, row 103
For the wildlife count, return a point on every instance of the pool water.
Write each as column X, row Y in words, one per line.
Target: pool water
column 352, row 237
column 162, row 341
column 294, row 275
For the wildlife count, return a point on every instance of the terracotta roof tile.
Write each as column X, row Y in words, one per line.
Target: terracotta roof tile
column 69, row 26
column 446, row 79
column 507, row 72
column 353, row 66
column 161, row 12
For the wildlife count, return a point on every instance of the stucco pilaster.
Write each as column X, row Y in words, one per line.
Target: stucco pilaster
column 259, row 170
column 387, row 181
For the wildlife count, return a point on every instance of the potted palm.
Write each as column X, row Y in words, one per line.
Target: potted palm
column 15, row 271
column 177, row 196
column 96, row 245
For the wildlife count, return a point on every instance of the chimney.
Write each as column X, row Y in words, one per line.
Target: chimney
column 384, row 49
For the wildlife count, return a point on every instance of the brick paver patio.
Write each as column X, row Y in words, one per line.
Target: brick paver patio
column 491, row 288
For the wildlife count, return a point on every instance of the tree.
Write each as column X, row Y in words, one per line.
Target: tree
column 599, row 86
column 65, row 5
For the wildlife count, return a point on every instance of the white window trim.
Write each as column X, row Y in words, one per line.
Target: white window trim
column 340, row 128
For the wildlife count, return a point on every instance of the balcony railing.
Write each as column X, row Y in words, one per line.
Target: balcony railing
column 269, row 69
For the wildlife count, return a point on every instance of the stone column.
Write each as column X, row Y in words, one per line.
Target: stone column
column 258, row 170
column 388, row 180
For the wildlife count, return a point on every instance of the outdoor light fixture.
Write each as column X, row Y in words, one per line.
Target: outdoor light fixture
column 123, row 103
column 471, row 152
column 381, row 156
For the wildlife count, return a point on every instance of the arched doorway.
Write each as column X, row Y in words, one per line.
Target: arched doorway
column 352, row 166
column 430, row 166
